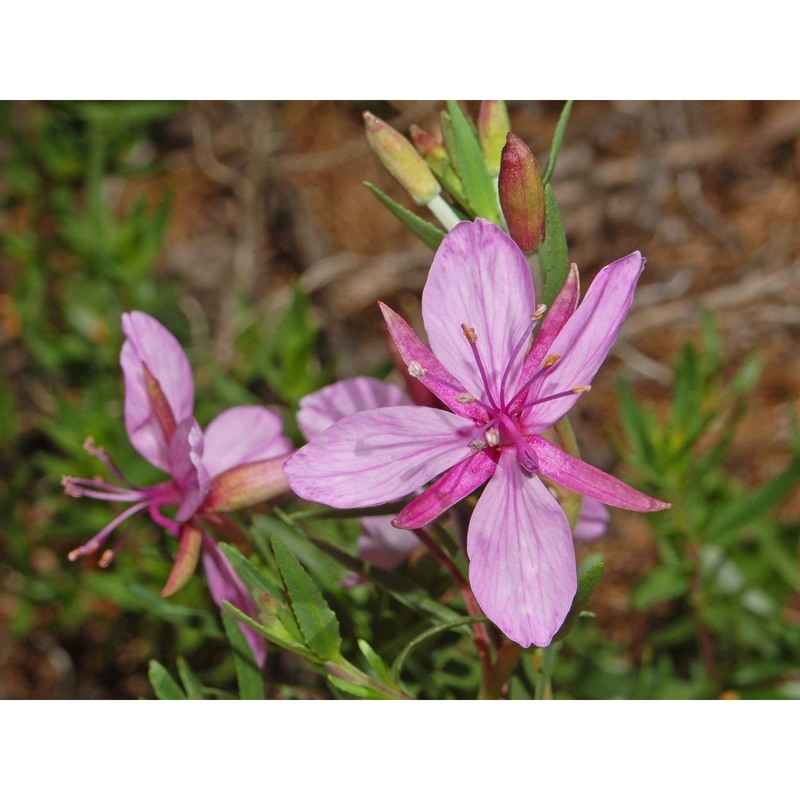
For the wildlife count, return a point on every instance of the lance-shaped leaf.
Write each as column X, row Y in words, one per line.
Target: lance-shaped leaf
column 190, row 681
column 164, row 685
column 273, row 631
column 469, row 163
column 558, row 138
column 428, row 233
column 248, row 675
column 314, row 616
column 589, row 574
column 553, row 250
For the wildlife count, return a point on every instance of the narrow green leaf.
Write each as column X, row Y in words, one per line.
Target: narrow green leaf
column 726, row 525
column 248, row 675
column 314, row 616
column 589, row 575
column 558, row 137
column 552, row 253
column 403, row 590
column 397, row 666
column 272, row 632
column 428, row 233
column 254, row 579
column 164, row 685
column 376, row 662
column 471, row 167
column 193, row 687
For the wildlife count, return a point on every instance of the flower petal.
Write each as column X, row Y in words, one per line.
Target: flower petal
column 522, row 561
column 585, row 340
column 562, row 309
column 384, row 545
column 375, row 457
column 592, row 521
column 453, row 486
column 242, row 435
column 149, row 343
column 430, row 370
column 589, row 481
column 187, row 468
column 225, row 584
column 319, row 410
column 480, row 278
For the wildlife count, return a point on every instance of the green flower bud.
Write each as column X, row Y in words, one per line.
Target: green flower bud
column 493, row 126
column 400, row 158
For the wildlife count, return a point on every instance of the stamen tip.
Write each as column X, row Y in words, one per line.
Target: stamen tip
column 465, row 398
column 106, row 559
column 539, row 312
column 416, row 370
column 581, row 389
column 550, row 360
column 470, row 334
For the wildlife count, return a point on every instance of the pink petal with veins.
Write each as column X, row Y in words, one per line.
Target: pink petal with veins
column 522, row 561
column 149, row 342
column 378, row 456
column 480, row 278
column 242, row 435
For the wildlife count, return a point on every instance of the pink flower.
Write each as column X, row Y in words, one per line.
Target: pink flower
column 236, row 462
column 381, row 543
column 479, row 311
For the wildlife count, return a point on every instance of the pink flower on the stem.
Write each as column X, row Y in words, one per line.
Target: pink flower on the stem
column 480, row 312
column 381, row 543
column 236, row 462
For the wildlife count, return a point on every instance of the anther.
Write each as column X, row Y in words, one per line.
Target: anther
column 477, row 446
column 539, row 312
column 472, row 337
column 581, row 389
column 493, row 437
column 550, row 360
column 105, row 559
column 465, row 398
column 416, row 370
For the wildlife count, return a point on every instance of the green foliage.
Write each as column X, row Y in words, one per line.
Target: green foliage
column 727, row 566
column 552, row 253
column 426, row 232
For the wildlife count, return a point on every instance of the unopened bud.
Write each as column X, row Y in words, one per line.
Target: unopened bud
column 493, row 127
column 435, row 154
column 521, row 194
column 400, row 158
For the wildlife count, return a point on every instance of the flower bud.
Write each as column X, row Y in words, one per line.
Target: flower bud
column 400, row 158
column 493, row 126
column 247, row 484
column 521, row 194
column 435, row 153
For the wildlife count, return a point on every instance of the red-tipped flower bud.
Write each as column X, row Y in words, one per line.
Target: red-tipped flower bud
column 522, row 194
column 493, row 126
column 400, row 158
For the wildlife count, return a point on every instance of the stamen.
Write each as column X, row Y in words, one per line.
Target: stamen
column 492, row 437
column 97, row 541
column 472, row 339
column 163, row 521
column 465, row 398
column 477, row 445
column 83, row 487
column 526, row 455
column 546, row 364
column 550, row 360
column 416, row 370
column 523, row 340
column 574, row 390
column 101, row 454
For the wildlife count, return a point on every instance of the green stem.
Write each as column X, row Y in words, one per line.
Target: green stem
column 507, row 658
column 544, row 687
